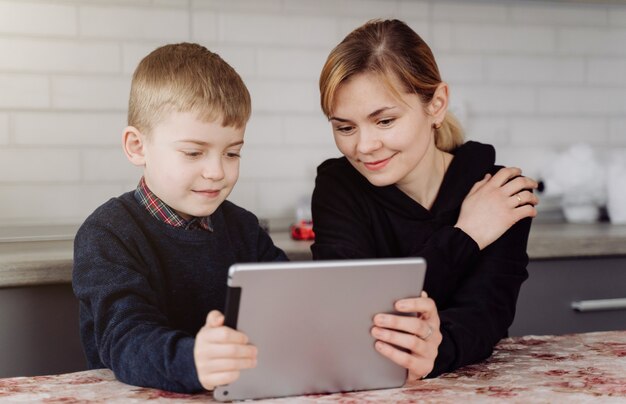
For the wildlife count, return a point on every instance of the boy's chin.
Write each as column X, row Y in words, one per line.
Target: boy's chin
column 198, row 212
column 202, row 212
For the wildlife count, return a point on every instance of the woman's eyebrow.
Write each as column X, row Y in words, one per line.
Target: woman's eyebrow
column 379, row 111
column 371, row 115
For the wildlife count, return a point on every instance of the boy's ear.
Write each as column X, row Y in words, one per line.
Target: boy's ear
column 133, row 143
column 439, row 103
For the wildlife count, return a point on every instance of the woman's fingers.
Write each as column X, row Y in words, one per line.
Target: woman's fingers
column 412, row 343
column 524, row 198
column 524, row 211
column 504, row 175
column 480, row 184
column 416, row 305
column 407, row 324
column 519, row 184
column 418, row 365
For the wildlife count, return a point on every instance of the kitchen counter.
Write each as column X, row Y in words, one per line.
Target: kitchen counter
column 46, row 258
column 573, row 368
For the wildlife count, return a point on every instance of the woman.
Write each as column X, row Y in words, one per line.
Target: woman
column 408, row 186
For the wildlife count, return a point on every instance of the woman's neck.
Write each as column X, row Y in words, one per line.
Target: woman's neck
column 424, row 183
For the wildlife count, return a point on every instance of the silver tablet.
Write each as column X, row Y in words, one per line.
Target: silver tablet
column 311, row 324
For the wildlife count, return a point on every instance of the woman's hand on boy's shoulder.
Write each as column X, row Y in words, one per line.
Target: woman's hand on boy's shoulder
column 220, row 352
column 496, row 203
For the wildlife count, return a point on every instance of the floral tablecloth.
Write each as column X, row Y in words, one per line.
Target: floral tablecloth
column 575, row 368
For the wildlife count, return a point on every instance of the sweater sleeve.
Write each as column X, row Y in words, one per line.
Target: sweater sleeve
column 483, row 307
column 267, row 250
column 131, row 335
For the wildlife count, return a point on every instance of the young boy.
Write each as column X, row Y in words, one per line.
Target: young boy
column 150, row 264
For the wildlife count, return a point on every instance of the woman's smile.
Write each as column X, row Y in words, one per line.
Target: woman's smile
column 378, row 164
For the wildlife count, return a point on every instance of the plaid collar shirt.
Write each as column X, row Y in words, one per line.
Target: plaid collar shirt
column 164, row 213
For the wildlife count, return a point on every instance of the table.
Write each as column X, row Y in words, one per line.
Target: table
column 575, row 368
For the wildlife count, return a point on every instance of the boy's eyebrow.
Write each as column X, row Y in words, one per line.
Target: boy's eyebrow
column 202, row 143
column 372, row 115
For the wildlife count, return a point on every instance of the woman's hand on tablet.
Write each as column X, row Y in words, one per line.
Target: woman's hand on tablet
column 220, row 352
column 419, row 336
column 496, row 203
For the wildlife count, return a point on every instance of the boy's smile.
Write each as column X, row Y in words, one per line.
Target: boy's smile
column 190, row 164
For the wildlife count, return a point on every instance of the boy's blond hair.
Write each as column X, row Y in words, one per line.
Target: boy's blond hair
column 187, row 77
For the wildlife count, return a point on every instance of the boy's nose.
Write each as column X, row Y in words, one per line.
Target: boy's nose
column 213, row 170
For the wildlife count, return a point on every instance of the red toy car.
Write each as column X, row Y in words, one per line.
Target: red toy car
column 303, row 230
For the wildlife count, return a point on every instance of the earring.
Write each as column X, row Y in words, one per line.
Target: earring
column 437, row 125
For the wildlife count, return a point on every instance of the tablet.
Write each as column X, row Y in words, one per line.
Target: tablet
column 311, row 323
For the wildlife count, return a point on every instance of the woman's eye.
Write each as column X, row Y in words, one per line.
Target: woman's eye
column 233, row 155
column 386, row 122
column 192, row 153
column 344, row 129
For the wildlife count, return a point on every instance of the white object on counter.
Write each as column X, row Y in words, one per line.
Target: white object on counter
column 616, row 184
column 580, row 180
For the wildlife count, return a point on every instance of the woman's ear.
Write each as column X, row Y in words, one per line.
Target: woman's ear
column 439, row 104
column 133, row 143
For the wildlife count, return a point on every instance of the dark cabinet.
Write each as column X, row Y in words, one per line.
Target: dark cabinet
column 545, row 302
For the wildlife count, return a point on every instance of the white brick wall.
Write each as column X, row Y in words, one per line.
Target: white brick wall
column 44, row 55
column 530, row 77
column 118, row 168
column 90, row 92
column 607, row 71
column 134, row 22
column 600, row 41
column 548, row 14
column 4, row 128
column 617, row 134
column 39, row 165
column 68, row 128
column 509, row 39
column 535, row 70
column 22, row 18
column 24, row 91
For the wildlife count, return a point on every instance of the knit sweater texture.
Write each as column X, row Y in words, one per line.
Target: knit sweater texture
column 145, row 287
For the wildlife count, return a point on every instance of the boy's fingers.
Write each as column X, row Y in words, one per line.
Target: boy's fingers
column 230, row 351
column 230, row 365
column 224, row 335
column 215, row 319
column 212, row 380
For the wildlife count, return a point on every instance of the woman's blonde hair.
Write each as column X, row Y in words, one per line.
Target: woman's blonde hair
column 187, row 77
column 388, row 47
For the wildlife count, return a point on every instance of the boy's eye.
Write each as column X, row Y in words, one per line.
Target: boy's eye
column 192, row 153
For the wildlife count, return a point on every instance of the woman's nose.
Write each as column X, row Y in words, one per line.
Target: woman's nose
column 368, row 142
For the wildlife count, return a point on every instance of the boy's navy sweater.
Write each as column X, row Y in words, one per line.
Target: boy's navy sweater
column 145, row 287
